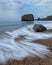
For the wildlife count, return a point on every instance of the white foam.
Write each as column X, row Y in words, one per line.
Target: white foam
column 11, row 49
column 49, row 26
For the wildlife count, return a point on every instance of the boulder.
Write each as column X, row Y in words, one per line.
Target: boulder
column 39, row 28
column 28, row 17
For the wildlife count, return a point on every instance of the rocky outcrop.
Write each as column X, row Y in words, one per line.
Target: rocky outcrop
column 28, row 17
column 39, row 28
column 48, row 18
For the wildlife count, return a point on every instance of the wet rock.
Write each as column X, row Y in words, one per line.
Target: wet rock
column 20, row 38
column 28, row 17
column 39, row 28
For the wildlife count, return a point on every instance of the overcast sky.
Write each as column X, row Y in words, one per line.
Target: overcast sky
column 14, row 9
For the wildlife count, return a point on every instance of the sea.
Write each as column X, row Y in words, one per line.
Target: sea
column 13, row 25
column 16, row 40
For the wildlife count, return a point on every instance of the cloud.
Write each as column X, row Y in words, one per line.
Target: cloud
column 35, row 2
column 42, row 2
column 19, row 3
column 9, row 9
column 13, row 8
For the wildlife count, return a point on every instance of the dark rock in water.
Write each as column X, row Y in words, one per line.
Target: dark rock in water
column 39, row 28
column 21, row 37
column 28, row 17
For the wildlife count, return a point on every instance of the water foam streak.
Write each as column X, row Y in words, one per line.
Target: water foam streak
column 17, row 44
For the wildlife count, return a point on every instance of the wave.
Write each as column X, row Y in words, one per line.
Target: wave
column 18, row 44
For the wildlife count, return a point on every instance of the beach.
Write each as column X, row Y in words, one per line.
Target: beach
column 28, row 36
column 35, row 60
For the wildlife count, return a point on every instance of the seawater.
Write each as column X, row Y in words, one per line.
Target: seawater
column 12, row 25
column 23, row 47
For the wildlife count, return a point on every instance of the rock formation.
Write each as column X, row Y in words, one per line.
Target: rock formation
column 39, row 28
column 28, row 17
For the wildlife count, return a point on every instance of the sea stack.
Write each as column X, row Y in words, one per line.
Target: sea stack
column 28, row 17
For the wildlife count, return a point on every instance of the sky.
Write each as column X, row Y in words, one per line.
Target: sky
column 14, row 9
